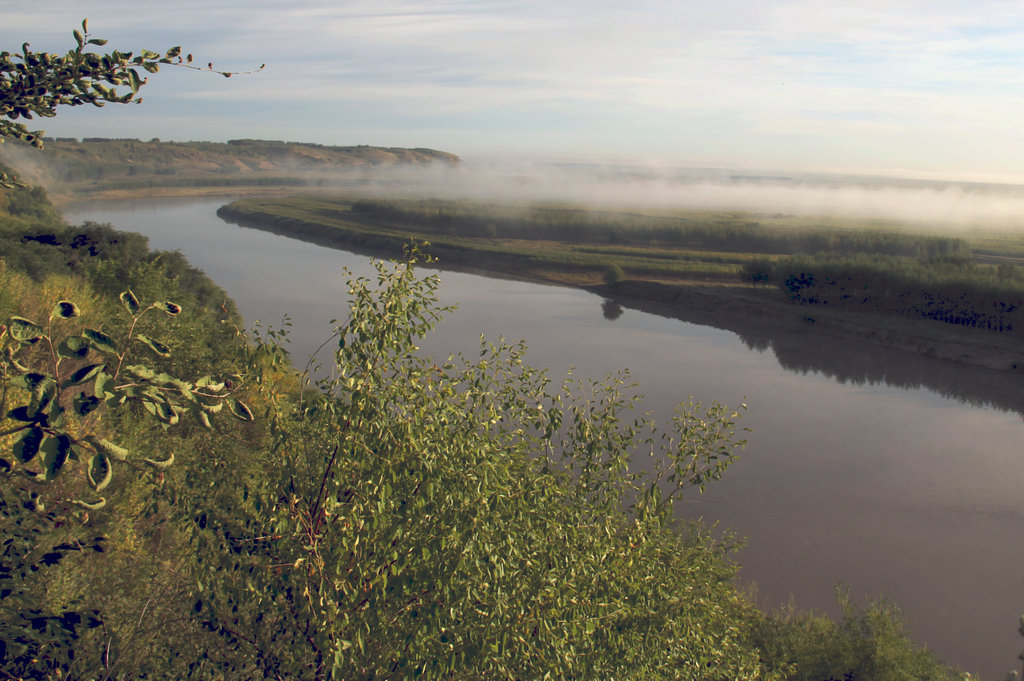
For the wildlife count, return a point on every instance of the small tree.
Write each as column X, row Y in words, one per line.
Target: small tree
column 59, row 382
column 613, row 274
column 467, row 518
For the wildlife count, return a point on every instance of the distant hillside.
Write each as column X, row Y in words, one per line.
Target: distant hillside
column 99, row 164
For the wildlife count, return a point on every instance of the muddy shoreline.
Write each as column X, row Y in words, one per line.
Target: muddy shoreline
column 745, row 310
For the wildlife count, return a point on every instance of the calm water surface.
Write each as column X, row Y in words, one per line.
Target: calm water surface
column 912, row 493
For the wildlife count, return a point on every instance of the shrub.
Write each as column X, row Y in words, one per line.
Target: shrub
column 613, row 274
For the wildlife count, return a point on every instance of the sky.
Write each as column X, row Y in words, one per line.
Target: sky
column 902, row 87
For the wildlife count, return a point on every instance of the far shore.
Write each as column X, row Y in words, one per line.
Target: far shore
column 715, row 303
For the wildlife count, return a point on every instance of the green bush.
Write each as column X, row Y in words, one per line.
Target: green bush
column 865, row 645
column 466, row 519
column 613, row 274
column 758, row 270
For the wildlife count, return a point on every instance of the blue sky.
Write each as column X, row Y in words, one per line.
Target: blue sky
column 905, row 87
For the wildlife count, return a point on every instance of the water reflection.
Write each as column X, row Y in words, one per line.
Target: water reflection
column 611, row 309
column 802, row 348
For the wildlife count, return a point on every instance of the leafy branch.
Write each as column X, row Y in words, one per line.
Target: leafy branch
column 37, row 83
column 75, row 379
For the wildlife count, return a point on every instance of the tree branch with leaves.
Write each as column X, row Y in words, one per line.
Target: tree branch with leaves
column 35, row 84
column 74, row 378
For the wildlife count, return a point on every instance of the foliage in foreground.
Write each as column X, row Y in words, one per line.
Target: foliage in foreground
column 468, row 518
column 864, row 644
column 37, row 83
column 405, row 518
column 460, row 519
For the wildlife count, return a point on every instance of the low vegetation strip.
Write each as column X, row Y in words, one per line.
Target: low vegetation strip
column 952, row 290
column 729, row 232
column 341, row 222
column 888, row 273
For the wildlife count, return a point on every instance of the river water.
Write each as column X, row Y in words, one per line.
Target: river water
column 898, row 476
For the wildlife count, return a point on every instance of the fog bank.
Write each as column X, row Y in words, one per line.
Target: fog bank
column 922, row 203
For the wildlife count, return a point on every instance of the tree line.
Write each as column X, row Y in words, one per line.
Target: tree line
column 731, row 234
column 953, row 290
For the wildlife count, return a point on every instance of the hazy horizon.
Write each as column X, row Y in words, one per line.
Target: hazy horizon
column 904, row 89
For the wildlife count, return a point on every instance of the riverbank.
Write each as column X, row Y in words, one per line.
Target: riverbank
column 738, row 308
column 712, row 296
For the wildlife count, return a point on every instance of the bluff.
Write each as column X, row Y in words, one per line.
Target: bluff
column 93, row 164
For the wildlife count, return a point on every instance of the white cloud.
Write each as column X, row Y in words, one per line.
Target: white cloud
column 855, row 82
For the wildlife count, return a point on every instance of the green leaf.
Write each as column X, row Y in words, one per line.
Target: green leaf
column 84, row 404
column 56, row 418
column 130, row 302
column 160, row 465
column 151, row 391
column 21, row 414
column 203, row 418
column 83, row 374
column 142, row 372
column 27, row 446
column 28, row 381
column 73, row 347
column 162, row 410
column 65, row 309
column 154, row 345
column 107, row 447
column 172, row 382
column 24, row 330
column 239, row 409
column 90, row 506
column 42, row 395
column 167, row 306
column 100, row 471
column 55, row 452
column 208, row 384
column 9, row 353
column 104, row 385
column 100, row 341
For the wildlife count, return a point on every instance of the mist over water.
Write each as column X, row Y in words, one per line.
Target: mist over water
column 922, row 204
column 918, row 204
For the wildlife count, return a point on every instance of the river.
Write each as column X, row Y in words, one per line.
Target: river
column 898, row 476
